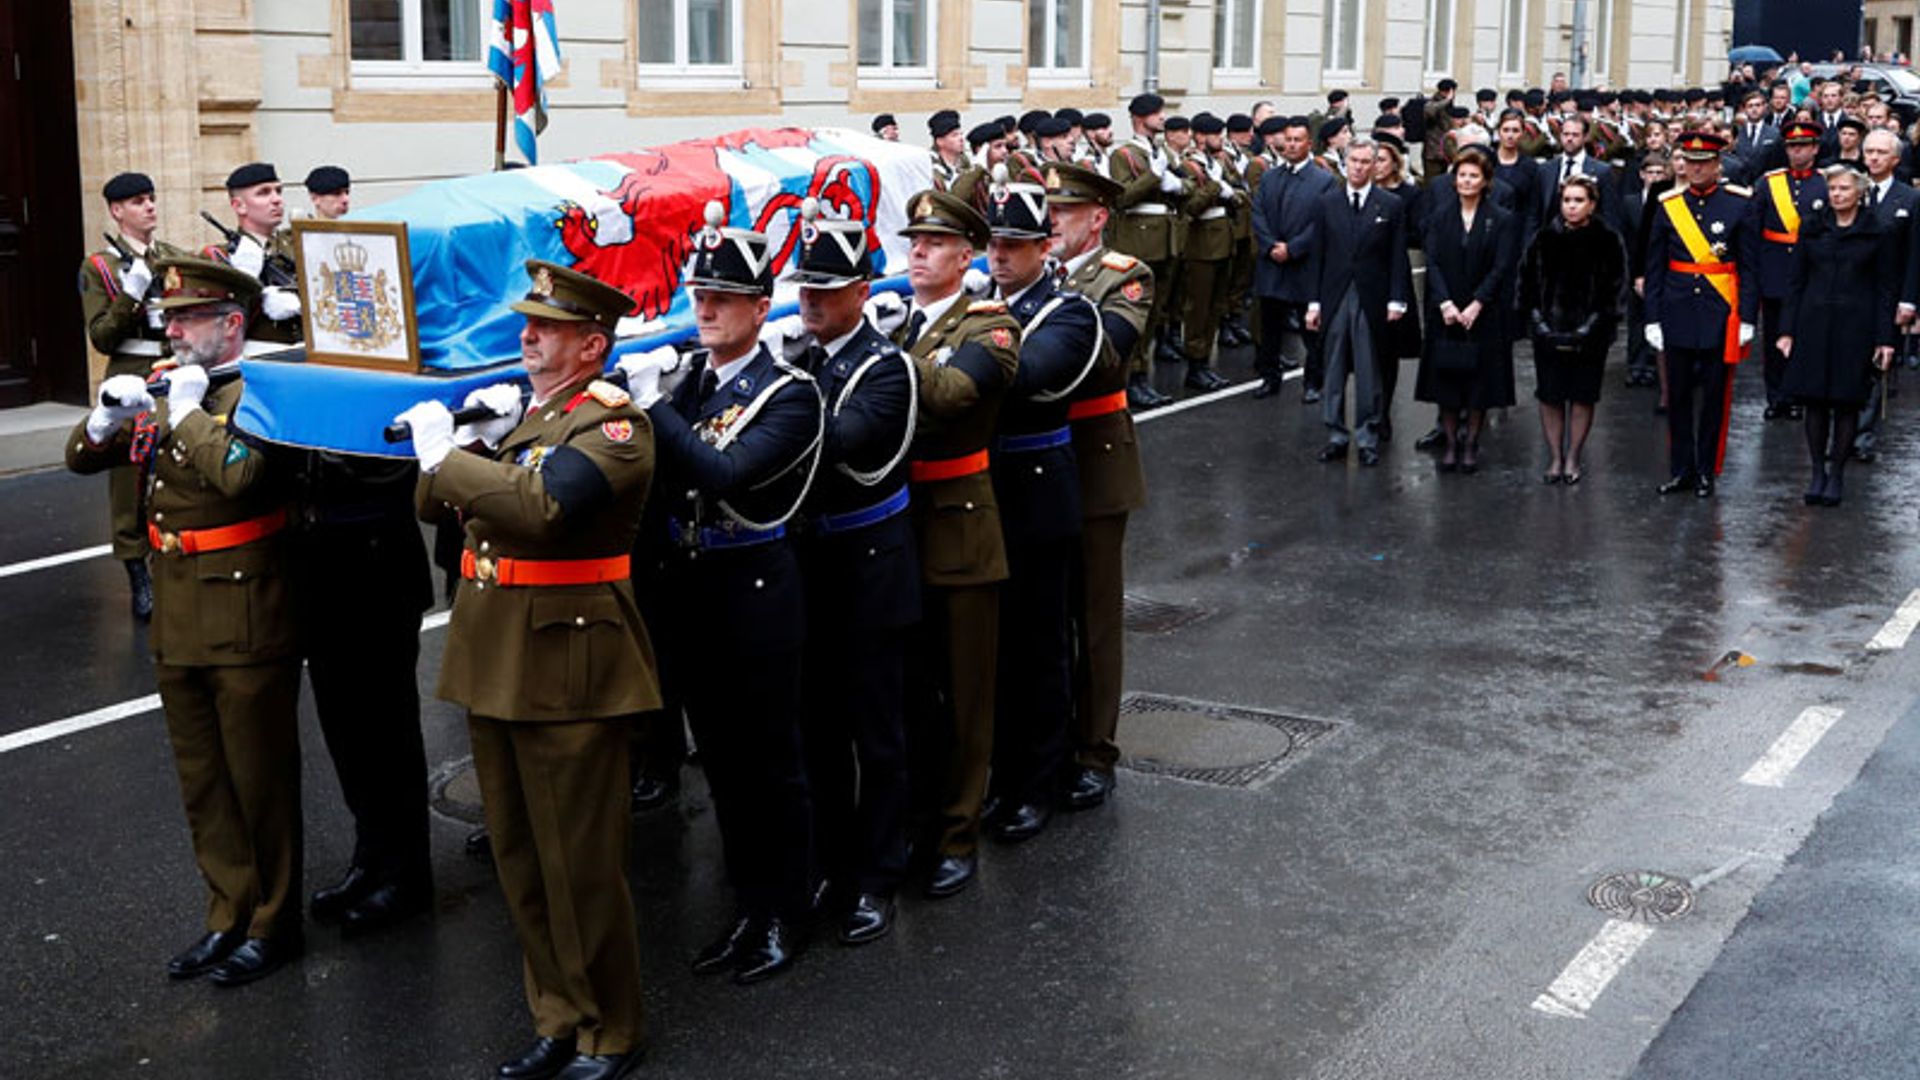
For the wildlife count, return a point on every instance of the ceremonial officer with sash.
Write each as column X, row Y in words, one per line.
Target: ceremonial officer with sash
column 862, row 580
column 547, row 653
column 1147, row 228
column 1107, row 459
column 1785, row 196
column 1702, row 297
column 966, row 353
column 223, row 629
column 740, row 441
column 115, row 285
column 1038, row 488
column 261, row 248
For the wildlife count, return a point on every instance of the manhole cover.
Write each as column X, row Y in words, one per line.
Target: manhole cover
column 1144, row 615
column 1642, row 896
column 454, row 791
column 1205, row 743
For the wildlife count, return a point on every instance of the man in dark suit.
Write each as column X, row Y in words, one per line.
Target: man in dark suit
column 1895, row 205
column 1364, row 283
column 1286, row 227
column 1573, row 158
column 1753, row 134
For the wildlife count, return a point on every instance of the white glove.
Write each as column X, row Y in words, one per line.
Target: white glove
column 1170, row 183
column 1655, row 338
column 249, row 256
column 277, row 303
column 643, row 373
column 886, row 311
column 505, row 402
column 122, row 397
column 976, row 282
column 1746, row 333
column 776, row 331
column 186, row 386
column 432, row 428
column 135, row 279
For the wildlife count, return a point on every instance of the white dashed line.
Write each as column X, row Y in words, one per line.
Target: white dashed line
column 1572, row 994
column 1207, row 399
column 1894, row 635
column 1792, row 746
column 65, row 557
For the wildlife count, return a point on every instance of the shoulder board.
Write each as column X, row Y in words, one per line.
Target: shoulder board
column 607, row 394
column 1740, row 190
column 1774, row 172
column 1113, row 260
column 799, row 374
column 987, row 307
column 1673, row 193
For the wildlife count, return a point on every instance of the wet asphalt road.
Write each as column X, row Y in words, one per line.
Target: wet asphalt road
column 1512, row 673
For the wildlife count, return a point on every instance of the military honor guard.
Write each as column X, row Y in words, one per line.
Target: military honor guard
column 1785, row 197
column 1148, row 228
column 1208, row 257
column 260, row 248
column 116, row 285
column 1097, row 128
column 329, row 191
column 223, row 637
column 862, row 580
column 1107, row 460
column 1702, row 299
column 949, row 151
column 740, row 442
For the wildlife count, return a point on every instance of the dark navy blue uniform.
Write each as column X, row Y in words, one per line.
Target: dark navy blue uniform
column 1038, row 488
column 1809, row 192
column 863, row 588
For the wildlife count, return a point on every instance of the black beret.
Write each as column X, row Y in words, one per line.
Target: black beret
column 1330, row 128
column 982, row 134
column 1239, row 122
column 1178, row 123
column 1389, row 104
column 1208, row 124
column 1447, row 84
column 1007, row 124
column 1536, row 97
column 247, row 176
column 1146, row 104
column 328, row 180
column 1272, row 125
column 1486, row 93
column 1335, row 97
column 884, row 120
column 127, row 185
column 943, row 122
column 1390, row 122
column 1516, row 94
column 1695, row 93
column 1096, row 121
column 1071, row 116
column 1559, row 96
column 1388, row 138
column 1459, row 112
column 1031, row 117
column 1051, row 127
column 1853, row 122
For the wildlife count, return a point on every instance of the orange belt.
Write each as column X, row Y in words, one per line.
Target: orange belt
column 1726, row 282
column 1100, row 406
column 508, row 572
column 197, row 541
column 1781, row 237
column 926, row 472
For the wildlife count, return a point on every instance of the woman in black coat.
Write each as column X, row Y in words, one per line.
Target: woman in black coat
column 1573, row 283
column 1468, row 361
column 1837, row 319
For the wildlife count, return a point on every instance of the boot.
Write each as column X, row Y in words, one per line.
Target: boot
column 141, row 584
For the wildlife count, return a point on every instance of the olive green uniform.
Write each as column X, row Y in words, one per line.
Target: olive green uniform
column 279, row 247
column 1146, row 225
column 224, row 656
column 551, row 676
column 1244, row 172
column 1209, row 251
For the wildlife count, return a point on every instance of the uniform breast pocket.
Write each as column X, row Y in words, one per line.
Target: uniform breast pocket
column 574, row 646
column 243, row 601
column 960, row 531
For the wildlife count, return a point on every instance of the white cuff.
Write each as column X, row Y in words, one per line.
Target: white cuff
column 1396, row 307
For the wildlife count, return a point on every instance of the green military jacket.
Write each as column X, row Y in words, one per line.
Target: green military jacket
column 568, row 483
column 1104, row 447
column 1209, row 235
column 1145, row 222
column 944, row 174
column 259, row 327
column 117, row 323
column 966, row 360
column 216, row 608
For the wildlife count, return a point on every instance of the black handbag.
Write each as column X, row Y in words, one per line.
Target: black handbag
column 1454, row 351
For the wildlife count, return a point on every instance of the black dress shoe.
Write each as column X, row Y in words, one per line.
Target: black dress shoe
column 767, row 949
column 479, row 846
column 990, row 807
column 545, row 1058
column 1310, row 396
column 1677, row 485
column 868, row 920
column 390, row 903
column 1090, row 789
column 140, row 584
column 1432, row 439
column 720, row 954
column 652, row 793
column 1333, row 452
column 257, row 958
column 333, row 901
column 1142, row 395
column 951, row 875
column 1267, row 388
column 1773, row 412
column 1830, row 492
column 204, row 955
column 1703, row 488
column 1369, row 457
column 1201, row 377
column 1022, row 823
column 598, row 1067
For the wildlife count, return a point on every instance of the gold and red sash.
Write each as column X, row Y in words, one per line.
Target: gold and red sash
column 1723, row 276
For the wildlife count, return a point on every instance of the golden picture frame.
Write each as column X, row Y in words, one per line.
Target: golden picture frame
column 356, row 294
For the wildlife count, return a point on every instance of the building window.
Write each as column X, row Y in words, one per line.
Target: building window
column 896, row 41
column 1513, row 39
column 1602, row 55
column 1341, row 44
column 690, row 44
column 1057, row 41
column 404, row 42
column 1903, row 36
column 1681, row 17
column 1236, row 34
column 1439, row 37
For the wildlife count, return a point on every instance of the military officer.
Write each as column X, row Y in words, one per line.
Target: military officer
column 223, row 630
column 988, row 143
column 1038, row 489
column 115, row 287
column 1209, row 253
column 547, row 653
column 949, row 151
column 1785, row 197
column 1098, row 148
column 1702, row 298
column 966, row 353
column 1107, row 459
column 862, row 580
column 261, row 248
column 1146, row 228
column 1243, row 166
column 740, row 442
column 330, row 190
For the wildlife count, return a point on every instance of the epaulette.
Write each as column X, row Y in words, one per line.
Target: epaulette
column 1773, row 172
column 1672, row 193
column 1740, row 190
column 607, row 394
column 1113, row 260
column 987, row 307
column 799, row 374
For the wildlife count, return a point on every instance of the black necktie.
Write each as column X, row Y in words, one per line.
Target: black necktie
column 1873, row 196
column 816, row 357
column 1356, row 202
column 1566, row 171
column 709, row 382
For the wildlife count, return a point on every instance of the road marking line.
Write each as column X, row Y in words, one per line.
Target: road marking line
column 1894, row 635
column 1792, row 746
column 1587, row 976
column 1209, row 398
column 138, row 706
column 30, row 565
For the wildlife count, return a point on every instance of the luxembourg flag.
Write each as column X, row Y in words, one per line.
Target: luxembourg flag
column 523, row 55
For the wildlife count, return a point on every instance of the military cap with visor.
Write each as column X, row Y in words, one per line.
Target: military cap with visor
column 1701, row 146
column 729, row 260
column 1068, row 185
column 936, row 213
column 563, row 294
column 188, row 281
column 1800, row 132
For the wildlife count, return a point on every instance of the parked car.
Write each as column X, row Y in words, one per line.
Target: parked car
column 1897, row 86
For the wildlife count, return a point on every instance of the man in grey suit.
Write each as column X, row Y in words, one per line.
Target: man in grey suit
column 1286, row 225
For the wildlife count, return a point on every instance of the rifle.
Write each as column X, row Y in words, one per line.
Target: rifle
column 400, row 431
column 276, row 271
column 127, row 258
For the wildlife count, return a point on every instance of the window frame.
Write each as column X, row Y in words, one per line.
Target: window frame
column 1341, row 76
column 411, row 72
column 679, row 74
column 1048, row 76
column 1441, row 36
column 1600, row 63
column 1683, row 21
column 890, row 76
column 1513, row 27
column 1231, row 75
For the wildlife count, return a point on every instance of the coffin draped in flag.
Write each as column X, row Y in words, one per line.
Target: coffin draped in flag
column 629, row 219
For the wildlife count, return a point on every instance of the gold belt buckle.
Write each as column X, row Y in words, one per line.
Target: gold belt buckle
column 484, row 568
column 170, row 543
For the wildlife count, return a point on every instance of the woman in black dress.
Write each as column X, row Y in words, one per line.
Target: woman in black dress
column 1837, row 319
column 1573, row 282
column 1468, row 361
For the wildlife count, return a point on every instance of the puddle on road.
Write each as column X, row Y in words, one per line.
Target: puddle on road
column 1734, row 659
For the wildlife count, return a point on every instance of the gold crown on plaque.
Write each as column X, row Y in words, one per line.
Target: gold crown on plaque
column 351, row 256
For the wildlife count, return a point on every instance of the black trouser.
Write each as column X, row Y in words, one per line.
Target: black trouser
column 1277, row 319
column 1034, row 704
column 1696, row 428
column 1775, row 366
column 856, row 745
column 1867, row 433
column 1641, row 357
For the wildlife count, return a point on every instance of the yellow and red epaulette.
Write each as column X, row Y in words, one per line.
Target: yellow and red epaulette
column 1740, row 190
column 608, row 394
column 987, row 307
column 1113, row 260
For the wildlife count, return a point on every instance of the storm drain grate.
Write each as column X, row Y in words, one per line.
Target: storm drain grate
column 1642, row 896
column 1145, row 615
column 453, row 790
column 1228, row 746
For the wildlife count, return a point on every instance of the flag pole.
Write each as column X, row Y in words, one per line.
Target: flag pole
column 500, row 127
